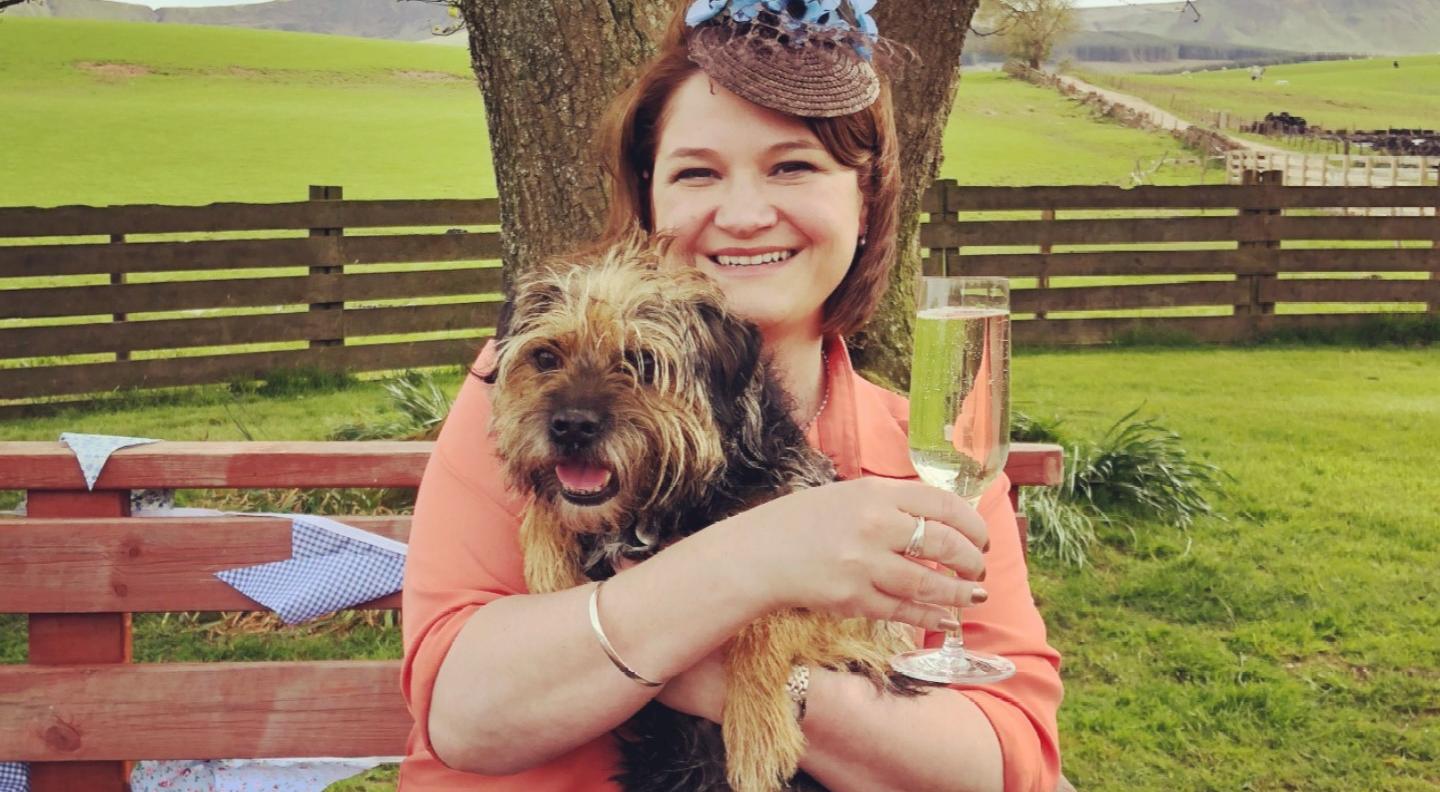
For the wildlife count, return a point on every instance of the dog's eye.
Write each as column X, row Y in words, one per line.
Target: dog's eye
column 545, row 360
column 643, row 364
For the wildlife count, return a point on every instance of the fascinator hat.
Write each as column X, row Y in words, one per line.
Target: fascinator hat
column 809, row 58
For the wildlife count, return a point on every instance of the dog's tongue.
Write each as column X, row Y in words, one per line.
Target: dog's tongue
column 581, row 477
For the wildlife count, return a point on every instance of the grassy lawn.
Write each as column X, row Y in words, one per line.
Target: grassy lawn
column 1289, row 646
column 193, row 115
column 1360, row 94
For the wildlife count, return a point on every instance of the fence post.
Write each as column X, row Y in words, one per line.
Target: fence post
column 331, row 266
column 1432, row 307
column 1256, row 275
column 944, row 261
column 78, row 638
column 118, row 279
column 1043, row 281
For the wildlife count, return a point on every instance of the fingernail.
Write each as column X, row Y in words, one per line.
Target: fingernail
column 986, row 548
column 982, row 575
column 949, row 625
column 979, row 595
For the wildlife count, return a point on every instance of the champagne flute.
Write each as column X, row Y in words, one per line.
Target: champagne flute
column 959, row 427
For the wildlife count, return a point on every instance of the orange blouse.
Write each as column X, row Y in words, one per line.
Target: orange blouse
column 464, row 553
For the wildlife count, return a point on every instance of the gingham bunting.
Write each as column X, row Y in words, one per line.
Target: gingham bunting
column 332, row 566
column 93, row 451
column 14, row 777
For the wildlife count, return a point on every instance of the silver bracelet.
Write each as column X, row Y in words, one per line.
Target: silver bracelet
column 798, row 688
column 605, row 642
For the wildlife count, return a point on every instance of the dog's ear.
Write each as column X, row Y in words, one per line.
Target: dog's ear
column 733, row 356
column 533, row 298
column 502, row 332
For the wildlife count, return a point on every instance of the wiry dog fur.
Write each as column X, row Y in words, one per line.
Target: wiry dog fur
column 677, row 403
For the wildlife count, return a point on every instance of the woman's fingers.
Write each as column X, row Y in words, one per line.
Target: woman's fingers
column 909, row 581
column 950, row 548
column 919, row 614
column 916, row 499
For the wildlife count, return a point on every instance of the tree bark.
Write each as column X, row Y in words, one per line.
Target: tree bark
column 548, row 71
column 935, row 30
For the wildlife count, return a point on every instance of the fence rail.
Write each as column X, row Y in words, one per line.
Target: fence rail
column 94, row 299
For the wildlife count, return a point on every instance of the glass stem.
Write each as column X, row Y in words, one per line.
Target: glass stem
column 954, row 646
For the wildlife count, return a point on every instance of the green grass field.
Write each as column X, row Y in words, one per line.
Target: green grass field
column 1289, row 646
column 1359, row 94
column 131, row 113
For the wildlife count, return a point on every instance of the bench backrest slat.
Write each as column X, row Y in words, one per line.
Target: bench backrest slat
column 202, row 710
column 381, row 463
column 139, row 565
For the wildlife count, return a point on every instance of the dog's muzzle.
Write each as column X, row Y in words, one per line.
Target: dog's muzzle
column 574, row 431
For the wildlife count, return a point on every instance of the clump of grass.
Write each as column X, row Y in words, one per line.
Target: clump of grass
column 1137, row 469
column 1413, row 330
column 422, row 405
column 1059, row 525
column 296, row 381
column 1030, row 429
column 1142, row 467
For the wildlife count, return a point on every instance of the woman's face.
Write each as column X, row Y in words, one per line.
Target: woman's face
column 755, row 201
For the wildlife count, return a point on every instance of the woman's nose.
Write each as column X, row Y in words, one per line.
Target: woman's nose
column 744, row 210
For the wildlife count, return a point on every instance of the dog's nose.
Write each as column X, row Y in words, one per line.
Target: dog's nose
column 573, row 426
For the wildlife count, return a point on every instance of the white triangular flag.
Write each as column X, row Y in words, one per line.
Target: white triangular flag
column 93, row 450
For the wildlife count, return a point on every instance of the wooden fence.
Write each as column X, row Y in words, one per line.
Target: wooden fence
column 1224, row 263
column 94, row 299
column 122, row 302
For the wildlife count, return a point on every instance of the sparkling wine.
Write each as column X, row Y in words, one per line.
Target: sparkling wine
column 960, row 397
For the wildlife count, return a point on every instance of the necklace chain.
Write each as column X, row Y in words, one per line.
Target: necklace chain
column 825, row 400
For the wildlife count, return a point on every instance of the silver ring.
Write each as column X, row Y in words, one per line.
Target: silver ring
column 917, row 539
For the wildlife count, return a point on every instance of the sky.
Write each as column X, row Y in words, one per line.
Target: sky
column 193, row 3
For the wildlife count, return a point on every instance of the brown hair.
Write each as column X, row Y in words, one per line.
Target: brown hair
column 865, row 141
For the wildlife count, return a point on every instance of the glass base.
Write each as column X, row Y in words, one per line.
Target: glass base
column 939, row 665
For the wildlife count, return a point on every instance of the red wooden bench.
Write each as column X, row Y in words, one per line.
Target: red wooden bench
column 78, row 565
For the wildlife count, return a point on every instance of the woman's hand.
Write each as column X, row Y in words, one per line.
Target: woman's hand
column 839, row 548
column 700, row 690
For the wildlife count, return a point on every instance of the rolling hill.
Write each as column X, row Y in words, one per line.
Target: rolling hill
column 1354, row 26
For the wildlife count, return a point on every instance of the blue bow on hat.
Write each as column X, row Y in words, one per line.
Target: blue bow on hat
column 817, row 12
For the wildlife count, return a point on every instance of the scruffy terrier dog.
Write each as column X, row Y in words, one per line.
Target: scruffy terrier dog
column 638, row 411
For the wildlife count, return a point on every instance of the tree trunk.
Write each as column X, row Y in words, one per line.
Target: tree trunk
column 548, row 75
column 547, row 72
column 935, row 30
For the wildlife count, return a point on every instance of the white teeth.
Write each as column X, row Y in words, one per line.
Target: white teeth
column 751, row 261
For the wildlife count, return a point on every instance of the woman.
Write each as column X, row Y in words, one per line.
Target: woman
column 794, row 217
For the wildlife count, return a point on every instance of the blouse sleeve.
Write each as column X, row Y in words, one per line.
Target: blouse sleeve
column 1022, row 709
column 464, row 549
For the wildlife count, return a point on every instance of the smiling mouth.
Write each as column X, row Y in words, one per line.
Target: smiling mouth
column 774, row 257
column 585, row 483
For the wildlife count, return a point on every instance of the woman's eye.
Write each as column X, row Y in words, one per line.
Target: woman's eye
column 794, row 167
column 545, row 360
column 693, row 173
